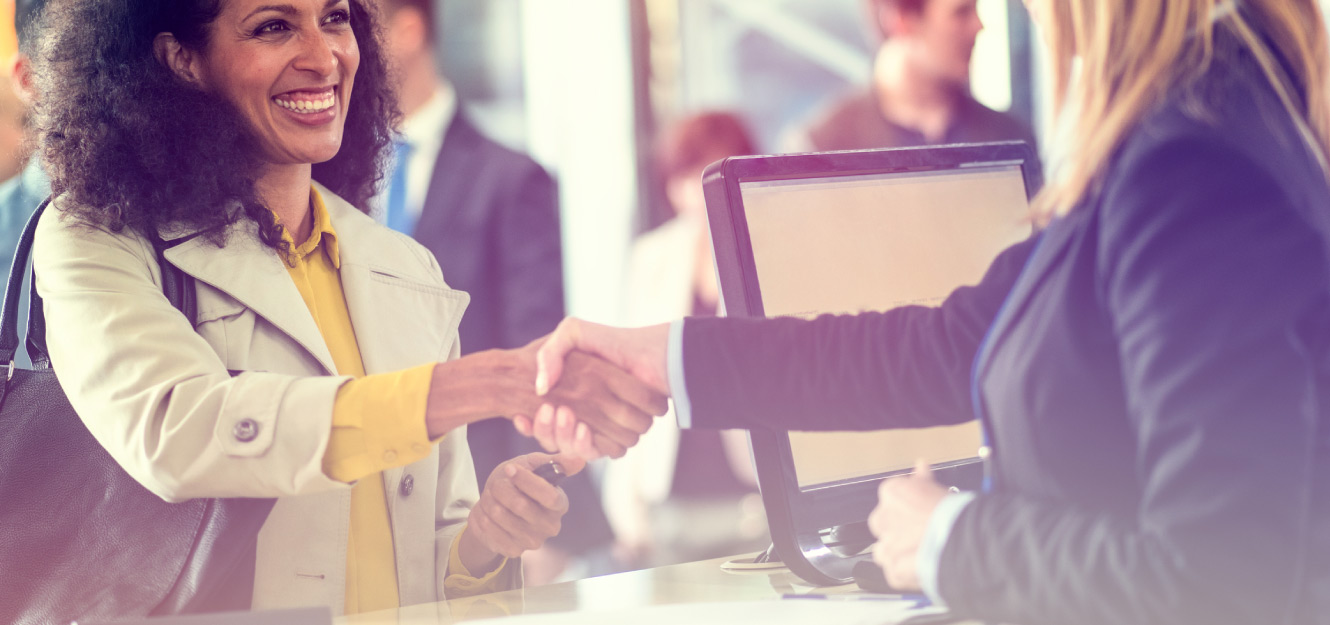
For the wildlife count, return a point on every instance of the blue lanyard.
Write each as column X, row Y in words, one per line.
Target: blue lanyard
column 985, row 346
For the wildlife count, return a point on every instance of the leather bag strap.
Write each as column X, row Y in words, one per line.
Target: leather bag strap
column 177, row 285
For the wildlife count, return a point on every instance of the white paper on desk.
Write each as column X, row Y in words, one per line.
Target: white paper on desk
column 773, row 612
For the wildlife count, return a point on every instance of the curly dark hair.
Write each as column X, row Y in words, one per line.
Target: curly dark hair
column 134, row 146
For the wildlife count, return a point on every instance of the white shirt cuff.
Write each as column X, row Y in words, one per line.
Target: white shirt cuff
column 935, row 538
column 683, row 410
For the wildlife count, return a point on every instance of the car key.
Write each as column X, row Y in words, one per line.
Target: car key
column 551, row 472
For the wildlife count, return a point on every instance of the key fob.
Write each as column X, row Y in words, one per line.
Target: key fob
column 551, row 472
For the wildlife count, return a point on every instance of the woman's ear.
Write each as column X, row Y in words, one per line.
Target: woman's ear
column 184, row 62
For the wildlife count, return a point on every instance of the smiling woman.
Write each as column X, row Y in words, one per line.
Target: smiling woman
column 284, row 69
column 245, row 137
column 175, row 177
column 289, row 70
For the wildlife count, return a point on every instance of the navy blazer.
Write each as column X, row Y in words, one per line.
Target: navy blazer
column 491, row 218
column 1155, row 381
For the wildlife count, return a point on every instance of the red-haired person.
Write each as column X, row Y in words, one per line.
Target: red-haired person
column 681, row 496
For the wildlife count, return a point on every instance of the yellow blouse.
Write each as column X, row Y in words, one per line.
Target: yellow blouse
column 378, row 424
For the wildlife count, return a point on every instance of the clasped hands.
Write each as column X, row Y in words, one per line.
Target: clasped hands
column 905, row 505
column 562, row 360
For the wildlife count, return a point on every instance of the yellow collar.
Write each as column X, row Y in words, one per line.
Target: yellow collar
column 323, row 231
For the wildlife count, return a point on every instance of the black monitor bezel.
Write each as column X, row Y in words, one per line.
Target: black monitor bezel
column 792, row 510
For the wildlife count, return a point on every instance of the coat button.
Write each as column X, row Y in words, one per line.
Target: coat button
column 408, row 485
column 246, row 430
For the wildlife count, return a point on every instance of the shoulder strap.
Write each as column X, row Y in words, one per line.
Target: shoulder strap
column 9, row 310
column 176, row 285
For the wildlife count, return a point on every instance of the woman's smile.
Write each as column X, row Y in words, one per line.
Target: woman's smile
column 314, row 107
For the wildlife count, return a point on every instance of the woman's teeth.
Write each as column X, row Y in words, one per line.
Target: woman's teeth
column 307, row 106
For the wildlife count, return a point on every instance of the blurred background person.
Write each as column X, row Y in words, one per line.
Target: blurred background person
column 490, row 216
column 920, row 88
column 13, row 151
column 683, row 495
column 26, row 183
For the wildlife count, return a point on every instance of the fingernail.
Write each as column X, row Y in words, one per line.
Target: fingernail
column 542, row 381
column 510, row 470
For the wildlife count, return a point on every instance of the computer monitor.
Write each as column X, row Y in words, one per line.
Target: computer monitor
column 847, row 232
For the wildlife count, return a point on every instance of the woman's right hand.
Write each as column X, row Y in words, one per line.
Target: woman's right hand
column 611, row 407
column 558, row 426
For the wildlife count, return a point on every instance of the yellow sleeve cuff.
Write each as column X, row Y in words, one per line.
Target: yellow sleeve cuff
column 459, row 582
column 378, row 424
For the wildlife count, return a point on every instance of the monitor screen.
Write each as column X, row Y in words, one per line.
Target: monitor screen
column 858, row 243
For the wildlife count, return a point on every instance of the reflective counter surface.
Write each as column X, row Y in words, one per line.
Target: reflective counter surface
column 696, row 582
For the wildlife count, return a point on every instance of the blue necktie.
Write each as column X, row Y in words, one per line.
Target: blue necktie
column 398, row 218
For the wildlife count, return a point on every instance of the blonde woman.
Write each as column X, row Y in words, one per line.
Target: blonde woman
column 1151, row 370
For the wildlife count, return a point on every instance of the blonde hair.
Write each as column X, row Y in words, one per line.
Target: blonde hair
column 1114, row 61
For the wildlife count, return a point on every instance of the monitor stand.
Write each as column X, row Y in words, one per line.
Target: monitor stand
column 767, row 556
column 825, row 557
column 764, row 561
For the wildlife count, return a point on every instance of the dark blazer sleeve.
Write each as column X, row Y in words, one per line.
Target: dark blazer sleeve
column 531, row 259
column 908, row 367
column 1217, row 289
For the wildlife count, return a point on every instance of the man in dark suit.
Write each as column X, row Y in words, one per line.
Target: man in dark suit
column 490, row 215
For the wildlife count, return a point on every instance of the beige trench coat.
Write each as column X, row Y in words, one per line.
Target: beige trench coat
column 158, row 394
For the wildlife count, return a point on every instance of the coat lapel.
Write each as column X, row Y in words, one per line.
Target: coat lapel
column 253, row 275
column 1056, row 239
column 401, row 314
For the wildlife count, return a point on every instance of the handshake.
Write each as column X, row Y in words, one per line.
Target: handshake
column 586, row 390
column 597, row 389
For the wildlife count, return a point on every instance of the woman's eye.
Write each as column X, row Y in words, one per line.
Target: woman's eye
column 271, row 27
column 340, row 16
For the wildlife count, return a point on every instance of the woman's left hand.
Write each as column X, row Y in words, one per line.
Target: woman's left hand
column 517, row 511
column 905, row 506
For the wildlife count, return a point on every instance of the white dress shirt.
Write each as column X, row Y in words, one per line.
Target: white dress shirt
column 424, row 131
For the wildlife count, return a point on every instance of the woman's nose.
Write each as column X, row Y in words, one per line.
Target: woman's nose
column 317, row 54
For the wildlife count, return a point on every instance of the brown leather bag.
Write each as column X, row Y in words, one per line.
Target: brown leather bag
column 79, row 538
